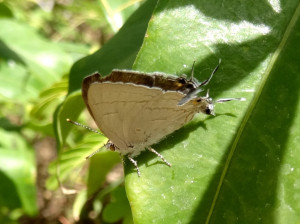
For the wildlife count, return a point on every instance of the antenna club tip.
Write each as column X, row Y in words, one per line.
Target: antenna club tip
column 68, row 120
column 242, row 99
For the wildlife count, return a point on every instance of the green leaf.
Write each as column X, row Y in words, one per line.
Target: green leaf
column 79, row 203
column 48, row 101
column 69, row 109
column 17, row 174
column 70, row 161
column 118, row 11
column 100, row 165
column 75, row 50
column 5, row 11
column 39, row 69
column 240, row 166
column 119, row 52
column 118, row 208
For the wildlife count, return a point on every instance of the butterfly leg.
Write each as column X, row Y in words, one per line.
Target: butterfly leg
column 159, row 155
column 109, row 145
column 135, row 164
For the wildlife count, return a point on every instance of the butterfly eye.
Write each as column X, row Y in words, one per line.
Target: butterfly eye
column 181, row 80
column 208, row 111
column 189, row 86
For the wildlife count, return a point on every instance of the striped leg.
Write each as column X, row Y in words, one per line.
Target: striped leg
column 159, row 155
column 135, row 164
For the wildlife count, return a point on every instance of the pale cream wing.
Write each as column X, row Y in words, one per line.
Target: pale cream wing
column 160, row 117
column 115, row 106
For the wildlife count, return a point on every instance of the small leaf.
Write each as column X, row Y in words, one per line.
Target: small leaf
column 69, row 109
column 79, row 203
column 100, row 165
column 70, row 162
column 17, row 174
column 31, row 56
column 48, row 101
column 118, row 208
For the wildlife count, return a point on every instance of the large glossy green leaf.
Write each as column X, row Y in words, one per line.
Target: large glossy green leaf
column 231, row 168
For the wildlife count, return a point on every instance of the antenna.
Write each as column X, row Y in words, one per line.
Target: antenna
column 84, row 126
column 90, row 129
column 210, row 77
column 230, row 99
column 194, row 92
column 192, row 73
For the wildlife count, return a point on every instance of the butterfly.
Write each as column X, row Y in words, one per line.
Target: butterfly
column 135, row 110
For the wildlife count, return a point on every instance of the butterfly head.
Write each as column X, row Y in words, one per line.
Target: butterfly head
column 205, row 104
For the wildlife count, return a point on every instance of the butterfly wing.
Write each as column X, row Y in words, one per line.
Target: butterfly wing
column 132, row 115
column 159, row 117
column 114, row 106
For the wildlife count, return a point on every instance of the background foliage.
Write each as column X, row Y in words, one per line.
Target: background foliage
column 39, row 42
column 241, row 166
